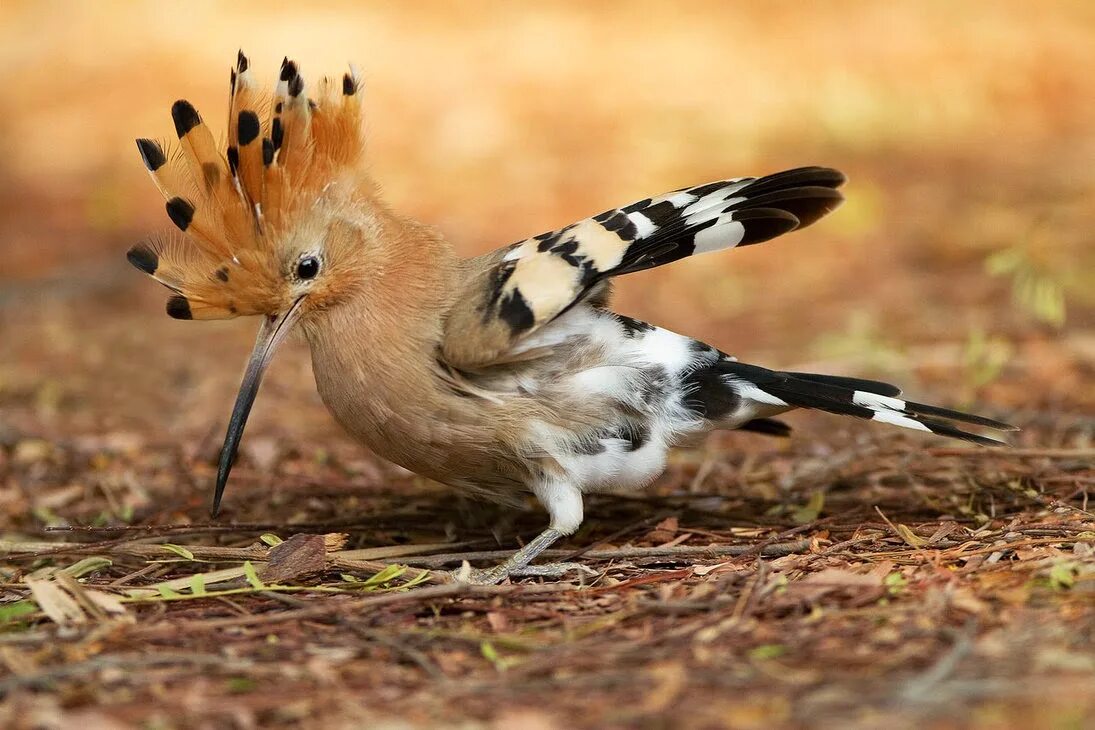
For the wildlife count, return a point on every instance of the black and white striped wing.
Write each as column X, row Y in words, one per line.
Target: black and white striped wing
column 536, row 280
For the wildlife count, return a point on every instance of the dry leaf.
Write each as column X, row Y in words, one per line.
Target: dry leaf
column 702, row 570
column 910, row 537
column 61, row 608
column 106, row 601
column 333, row 541
column 664, row 531
column 297, row 556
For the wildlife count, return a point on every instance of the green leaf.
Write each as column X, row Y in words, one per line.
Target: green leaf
column 810, row 511
column 271, row 539
column 48, row 517
column 1004, row 262
column 767, row 651
column 87, row 565
column 17, row 609
column 420, row 578
column 253, row 576
column 197, row 585
column 985, row 358
column 488, row 651
column 1062, row 575
column 387, row 575
column 1038, row 291
column 491, row 655
column 1048, row 302
column 240, row 685
column 168, row 592
column 178, row 550
column 895, row 583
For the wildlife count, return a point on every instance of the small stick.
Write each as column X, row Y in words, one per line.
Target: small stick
column 1014, row 453
column 350, row 606
column 24, row 550
column 617, row 534
column 678, row 551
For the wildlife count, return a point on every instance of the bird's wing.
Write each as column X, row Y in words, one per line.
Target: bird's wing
column 520, row 289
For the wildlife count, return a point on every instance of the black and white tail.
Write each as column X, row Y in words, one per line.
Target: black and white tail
column 770, row 389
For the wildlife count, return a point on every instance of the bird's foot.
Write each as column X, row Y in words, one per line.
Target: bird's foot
column 553, row 570
column 519, row 564
column 479, row 576
column 495, row 575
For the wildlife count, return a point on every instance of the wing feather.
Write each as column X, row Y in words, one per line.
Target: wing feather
column 527, row 285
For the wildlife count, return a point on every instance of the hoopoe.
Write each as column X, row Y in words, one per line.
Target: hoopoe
column 501, row 374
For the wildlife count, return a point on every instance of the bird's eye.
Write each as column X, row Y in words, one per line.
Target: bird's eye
column 307, row 268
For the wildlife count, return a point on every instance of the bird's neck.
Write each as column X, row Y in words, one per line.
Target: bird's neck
column 406, row 284
column 374, row 354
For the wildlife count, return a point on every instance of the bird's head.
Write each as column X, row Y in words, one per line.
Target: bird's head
column 281, row 222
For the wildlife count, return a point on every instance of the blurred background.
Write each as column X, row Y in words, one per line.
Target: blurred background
column 961, row 266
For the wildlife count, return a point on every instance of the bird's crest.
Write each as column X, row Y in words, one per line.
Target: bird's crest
column 237, row 201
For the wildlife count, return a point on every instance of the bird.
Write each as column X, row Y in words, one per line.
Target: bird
column 500, row 375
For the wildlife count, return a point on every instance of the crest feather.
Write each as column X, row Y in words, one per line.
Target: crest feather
column 232, row 202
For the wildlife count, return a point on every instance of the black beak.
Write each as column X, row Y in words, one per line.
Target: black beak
column 271, row 333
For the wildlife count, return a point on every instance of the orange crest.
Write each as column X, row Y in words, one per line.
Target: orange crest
column 237, row 203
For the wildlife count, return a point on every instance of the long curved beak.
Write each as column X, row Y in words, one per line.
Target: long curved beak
column 272, row 331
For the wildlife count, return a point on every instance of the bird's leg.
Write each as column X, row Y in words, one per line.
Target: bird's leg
column 563, row 502
column 519, row 564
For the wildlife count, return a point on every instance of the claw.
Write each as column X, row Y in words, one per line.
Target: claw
column 479, row 576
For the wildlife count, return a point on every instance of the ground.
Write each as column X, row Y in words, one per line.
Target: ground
column 850, row 576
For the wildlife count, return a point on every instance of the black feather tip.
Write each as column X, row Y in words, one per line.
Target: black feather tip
column 185, row 116
column 181, row 212
column 144, row 258
column 247, row 127
column 179, row 308
column 296, row 85
column 288, row 70
column 151, row 154
column 277, row 133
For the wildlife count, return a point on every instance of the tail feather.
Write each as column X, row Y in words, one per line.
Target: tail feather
column 947, row 413
column 870, row 386
column 865, row 399
column 767, row 426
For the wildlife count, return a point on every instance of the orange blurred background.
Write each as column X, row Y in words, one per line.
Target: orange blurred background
column 962, row 262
